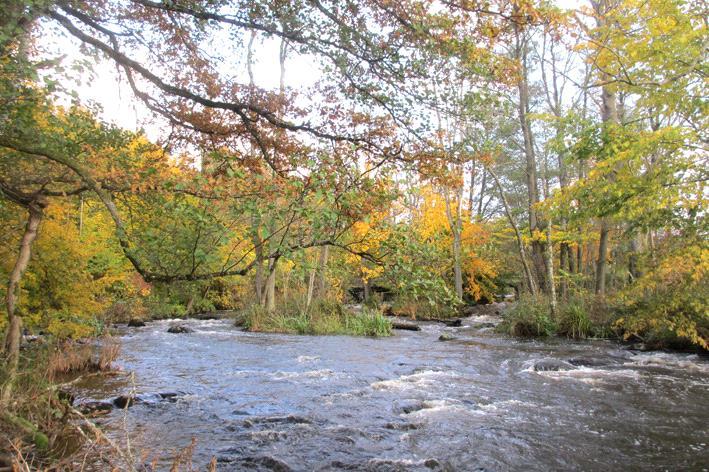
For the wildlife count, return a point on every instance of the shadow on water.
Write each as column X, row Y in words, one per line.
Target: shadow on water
column 410, row 402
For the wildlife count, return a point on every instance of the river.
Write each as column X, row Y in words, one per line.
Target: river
column 409, row 402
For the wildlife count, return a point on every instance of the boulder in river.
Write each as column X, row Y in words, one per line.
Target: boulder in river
column 405, row 326
column 125, row 401
column 135, row 323
column 454, row 323
column 411, row 406
column 179, row 329
column 266, row 462
column 589, row 362
column 446, row 337
column 546, row 365
column 401, row 426
column 642, row 347
column 94, row 408
column 482, row 325
column 288, row 419
column 169, row 396
column 66, row 396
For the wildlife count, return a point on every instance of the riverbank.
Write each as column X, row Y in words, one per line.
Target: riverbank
column 39, row 427
column 584, row 318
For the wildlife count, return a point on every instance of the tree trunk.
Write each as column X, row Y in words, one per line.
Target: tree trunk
column 317, row 281
column 563, row 262
column 531, row 284
column 258, row 254
column 482, row 194
column 601, row 265
column 269, row 294
column 14, row 329
column 530, row 159
column 190, row 305
column 455, row 224
column 321, row 281
column 609, row 116
column 471, row 194
column 367, row 290
column 634, row 272
column 549, row 253
column 311, row 287
column 550, row 270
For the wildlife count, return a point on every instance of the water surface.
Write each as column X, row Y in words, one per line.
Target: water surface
column 409, row 402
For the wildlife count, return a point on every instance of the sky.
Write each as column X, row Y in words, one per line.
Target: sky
column 103, row 86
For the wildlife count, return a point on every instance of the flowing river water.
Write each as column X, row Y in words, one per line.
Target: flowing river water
column 409, row 402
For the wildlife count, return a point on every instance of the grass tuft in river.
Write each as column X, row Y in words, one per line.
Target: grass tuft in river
column 322, row 317
column 576, row 318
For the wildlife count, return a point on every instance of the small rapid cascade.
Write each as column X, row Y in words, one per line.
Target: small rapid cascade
column 478, row 401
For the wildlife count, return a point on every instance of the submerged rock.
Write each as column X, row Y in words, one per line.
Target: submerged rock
column 179, row 329
column 135, row 323
column 125, row 401
column 169, row 396
column 267, row 462
column 405, row 326
column 290, row 419
column 7, row 462
column 401, row 426
column 446, row 337
column 638, row 347
column 546, row 365
column 482, row 325
column 454, row 323
column 66, row 396
column 94, row 408
column 588, row 362
column 339, row 465
column 407, row 407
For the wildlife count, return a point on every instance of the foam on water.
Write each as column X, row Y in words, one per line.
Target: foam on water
column 419, row 380
column 670, row 361
column 304, row 359
column 590, row 375
column 310, row 374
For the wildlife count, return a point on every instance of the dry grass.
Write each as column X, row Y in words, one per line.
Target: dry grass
column 73, row 357
column 74, row 442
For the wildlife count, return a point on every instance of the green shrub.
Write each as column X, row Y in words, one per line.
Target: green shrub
column 667, row 306
column 158, row 307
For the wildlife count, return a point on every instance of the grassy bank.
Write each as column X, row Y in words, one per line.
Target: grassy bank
column 323, row 317
column 590, row 317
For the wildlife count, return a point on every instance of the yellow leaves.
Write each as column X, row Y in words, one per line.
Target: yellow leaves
column 370, row 273
column 368, row 237
column 672, row 297
column 64, row 329
column 479, row 270
column 430, row 217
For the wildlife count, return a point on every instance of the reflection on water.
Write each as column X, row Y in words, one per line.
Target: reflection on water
column 410, row 402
